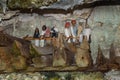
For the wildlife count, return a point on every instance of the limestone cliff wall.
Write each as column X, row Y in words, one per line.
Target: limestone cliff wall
column 103, row 20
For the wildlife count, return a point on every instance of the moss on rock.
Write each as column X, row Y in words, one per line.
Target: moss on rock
column 29, row 3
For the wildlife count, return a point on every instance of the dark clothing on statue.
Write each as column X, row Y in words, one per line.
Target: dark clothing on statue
column 36, row 33
column 54, row 32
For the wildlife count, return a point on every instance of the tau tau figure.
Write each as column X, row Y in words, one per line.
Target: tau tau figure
column 54, row 32
column 74, row 30
column 67, row 32
column 36, row 35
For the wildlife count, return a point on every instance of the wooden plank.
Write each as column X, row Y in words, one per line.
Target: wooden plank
column 31, row 38
column 49, row 38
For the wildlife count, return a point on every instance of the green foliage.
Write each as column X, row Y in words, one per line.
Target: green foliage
column 19, row 3
column 68, row 76
column 29, row 3
column 89, row 76
column 51, row 75
column 54, row 78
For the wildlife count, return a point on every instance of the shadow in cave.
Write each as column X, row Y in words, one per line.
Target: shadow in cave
column 69, row 10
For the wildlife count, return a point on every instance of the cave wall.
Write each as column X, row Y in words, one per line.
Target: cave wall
column 25, row 23
column 103, row 20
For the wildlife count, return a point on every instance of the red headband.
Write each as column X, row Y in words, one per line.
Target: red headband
column 67, row 24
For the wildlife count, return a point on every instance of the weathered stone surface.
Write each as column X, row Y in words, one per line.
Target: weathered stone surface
column 19, row 63
column 104, row 25
column 82, row 14
column 25, row 24
column 12, row 55
column 3, row 58
column 42, row 61
column 59, row 58
column 103, row 36
column 104, row 22
column 37, row 62
column 114, row 55
column 8, row 14
column 59, row 55
column 112, row 75
column 100, row 60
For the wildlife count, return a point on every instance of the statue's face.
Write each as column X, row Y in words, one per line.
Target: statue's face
column 73, row 22
column 67, row 25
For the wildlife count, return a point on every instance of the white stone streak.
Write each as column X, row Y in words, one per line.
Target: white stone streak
column 84, row 13
column 104, row 22
column 8, row 14
column 26, row 17
column 58, row 16
column 105, row 14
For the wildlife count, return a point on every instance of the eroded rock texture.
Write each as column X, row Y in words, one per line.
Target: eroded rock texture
column 82, row 56
column 104, row 22
column 15, row 53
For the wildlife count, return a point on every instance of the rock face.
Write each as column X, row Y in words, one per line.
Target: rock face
column 82, row 57
column 14, row 53
column 101, row 61
column 59, row 58
column 3, row 58
column 42, row 61
column 104, row 22
column 112, row 75
column 100, row 58
column 19, row 63
column 59, row 55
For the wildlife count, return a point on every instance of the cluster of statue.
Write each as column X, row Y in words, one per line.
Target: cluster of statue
column 76, row 31
column 73, row 32
column 46, row 33
column 65, row 51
